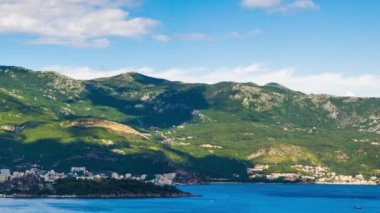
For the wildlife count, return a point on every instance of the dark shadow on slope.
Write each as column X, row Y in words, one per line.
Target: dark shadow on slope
column 13, row 104
column 52, row 154
column 170, row 108
column 214, row 167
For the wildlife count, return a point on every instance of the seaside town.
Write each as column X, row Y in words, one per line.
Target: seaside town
column 37, row 177
column 309, row 174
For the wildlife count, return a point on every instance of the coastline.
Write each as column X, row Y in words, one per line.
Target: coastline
column 220, row 198
column 157, row 196
column 288, row 183
column 105, row 196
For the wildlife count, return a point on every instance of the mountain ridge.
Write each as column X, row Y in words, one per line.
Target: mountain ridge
column 204, row 130
column 134, row 74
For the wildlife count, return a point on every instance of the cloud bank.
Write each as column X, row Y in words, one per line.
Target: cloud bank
column 284, row 6
column 80, row 23
column 333, row 83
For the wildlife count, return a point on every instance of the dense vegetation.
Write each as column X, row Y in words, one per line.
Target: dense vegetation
column 34, row 186
column 112, row 187
column 213, row 131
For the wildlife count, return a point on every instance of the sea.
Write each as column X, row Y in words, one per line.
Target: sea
column 221, row 198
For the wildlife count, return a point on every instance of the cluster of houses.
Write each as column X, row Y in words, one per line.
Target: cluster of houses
column 259, row 173
column 82, row 173
column 310, row 174
column 325, row 175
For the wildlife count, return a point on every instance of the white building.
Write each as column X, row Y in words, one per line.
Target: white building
column 143, row 177
column 3, row 178
column 116, row 176
column 18, row 174
column 165, row 179
column 5, row 172
column 78, row 169
column 52, row 176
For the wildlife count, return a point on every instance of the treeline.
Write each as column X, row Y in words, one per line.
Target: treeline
column 33, row 186
column 71, row 186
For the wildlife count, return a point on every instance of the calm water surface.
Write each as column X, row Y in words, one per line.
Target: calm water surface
column 223, row 198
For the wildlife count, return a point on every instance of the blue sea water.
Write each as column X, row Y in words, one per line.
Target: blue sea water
column 223, row 198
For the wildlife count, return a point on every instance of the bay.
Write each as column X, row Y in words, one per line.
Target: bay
column 223, row 198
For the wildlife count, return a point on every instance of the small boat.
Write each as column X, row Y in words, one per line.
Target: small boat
column 357, row 207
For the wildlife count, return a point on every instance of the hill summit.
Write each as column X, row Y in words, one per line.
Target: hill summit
column 143, row 125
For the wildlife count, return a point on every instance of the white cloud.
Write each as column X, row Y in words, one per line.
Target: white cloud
column 197, row 36
column 77, row 42
column 299, row 5
column 241, row 35
column 260, row 3
column 72, row 22
column 161, row 38
column 364, row 85
column 284, row 6
column 85, row 73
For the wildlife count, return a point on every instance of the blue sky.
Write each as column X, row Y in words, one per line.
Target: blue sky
column 294, row 42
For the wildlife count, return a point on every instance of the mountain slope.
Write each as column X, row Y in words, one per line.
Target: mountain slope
column 213, row 131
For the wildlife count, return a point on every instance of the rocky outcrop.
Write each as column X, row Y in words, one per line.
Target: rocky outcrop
column 255, row 98
column 10, row 128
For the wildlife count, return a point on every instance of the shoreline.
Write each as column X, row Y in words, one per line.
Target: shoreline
column 158, row 196
column 287, row 183
column 123, row 196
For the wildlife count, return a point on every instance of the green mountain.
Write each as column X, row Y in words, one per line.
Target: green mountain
column 138, row 124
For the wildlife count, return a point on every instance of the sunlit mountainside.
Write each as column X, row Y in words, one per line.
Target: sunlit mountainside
column 144, row 125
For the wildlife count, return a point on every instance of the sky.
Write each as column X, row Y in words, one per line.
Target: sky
column 314, row 46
